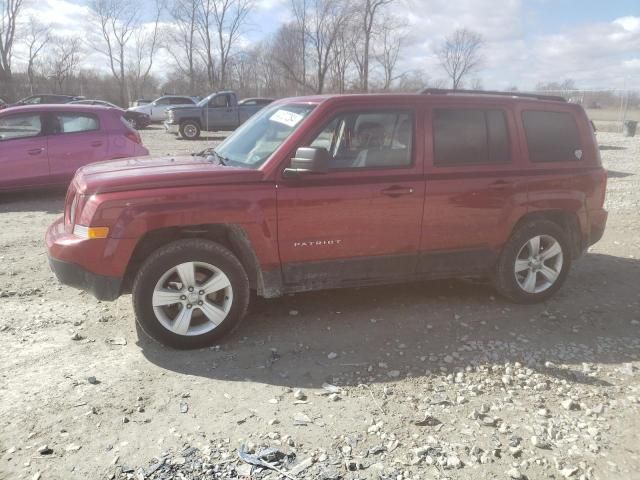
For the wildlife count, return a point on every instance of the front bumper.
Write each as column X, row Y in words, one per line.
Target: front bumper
column 100, row 286
column 171, row 128
column 97, row 266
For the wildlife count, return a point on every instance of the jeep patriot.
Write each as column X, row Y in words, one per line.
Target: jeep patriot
column 338, row 191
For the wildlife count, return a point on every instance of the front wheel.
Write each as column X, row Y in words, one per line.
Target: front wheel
column 190, row 130
column 190, row 293
column 534, row 263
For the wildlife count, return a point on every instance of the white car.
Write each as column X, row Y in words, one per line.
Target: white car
column 156, row 109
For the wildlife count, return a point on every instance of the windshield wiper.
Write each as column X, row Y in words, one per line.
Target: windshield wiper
column 210, row 152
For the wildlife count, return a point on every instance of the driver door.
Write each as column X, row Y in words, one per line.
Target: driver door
column 360, row 222
column 220, row 113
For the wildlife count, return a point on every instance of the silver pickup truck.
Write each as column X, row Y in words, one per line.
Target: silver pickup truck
column 218, row 111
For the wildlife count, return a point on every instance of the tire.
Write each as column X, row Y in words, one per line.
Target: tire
column 190, row 130
column 164, row 279
column 530, row 279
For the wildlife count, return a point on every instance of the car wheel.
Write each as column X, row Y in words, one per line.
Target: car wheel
column 190, row 130
column 190, row 293
column 534, row 263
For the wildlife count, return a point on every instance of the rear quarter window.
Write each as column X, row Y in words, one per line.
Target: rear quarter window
column 551, row 136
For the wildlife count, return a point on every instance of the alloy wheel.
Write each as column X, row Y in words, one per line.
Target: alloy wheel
column 538, row 264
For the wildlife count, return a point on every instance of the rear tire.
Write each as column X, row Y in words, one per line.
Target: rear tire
column 190, row 130
column 190, row 293
column 534, row 263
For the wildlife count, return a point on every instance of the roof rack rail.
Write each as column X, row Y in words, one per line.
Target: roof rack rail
column 445, row 91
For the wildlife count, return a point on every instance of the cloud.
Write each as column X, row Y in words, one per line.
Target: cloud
column 596, row 54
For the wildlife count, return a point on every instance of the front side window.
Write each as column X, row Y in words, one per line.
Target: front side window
column 374, row 139
column 469, row 137
column 254, row 142
column 219, row 101
column 20, row 126
column 73, row 123
column 551, row 136
column 162, row 101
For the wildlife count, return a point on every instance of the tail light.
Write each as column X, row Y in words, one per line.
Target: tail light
column 134, row 137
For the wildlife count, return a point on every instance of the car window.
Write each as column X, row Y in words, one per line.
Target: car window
column 73, row 123
column 32, row 100
column 182, row 101
column 162, row 101
column 20, row 126
column 218, row 101
column 551, row 136
column 374, row 139
column 469, row 137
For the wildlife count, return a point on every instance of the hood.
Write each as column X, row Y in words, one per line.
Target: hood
column 140, row 108
column 142, row 173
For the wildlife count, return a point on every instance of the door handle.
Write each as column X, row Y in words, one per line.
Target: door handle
column 500, row 185
column 96, row 144
column 397, row 191
column 35, row 151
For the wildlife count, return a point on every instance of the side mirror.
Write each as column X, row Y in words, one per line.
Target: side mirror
column 308, row 160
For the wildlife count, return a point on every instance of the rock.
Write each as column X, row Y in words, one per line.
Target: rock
column 448, row 359
column 93, row 380
column 514, row 474
column 36, row 476
column 488, row 421
column 184, row 407
column 45, row 450
column 454, row 462
column 427, row 421
column 125, row 420
column 329, row 389
column 72, row 447
column 569, row 404
column 334, row 397
column 76, row 336
column 539, row 443
column 568, row 472
column 116, row 341
column 332, row 356
column 298, row 394
column 301, row 419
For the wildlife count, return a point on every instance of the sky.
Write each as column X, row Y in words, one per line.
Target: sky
column 594, row 42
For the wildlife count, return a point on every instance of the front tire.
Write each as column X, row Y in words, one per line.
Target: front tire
column 534, row 263
column 190, row 293
column 190, row 130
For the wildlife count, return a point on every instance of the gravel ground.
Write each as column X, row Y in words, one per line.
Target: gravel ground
column 431, row 380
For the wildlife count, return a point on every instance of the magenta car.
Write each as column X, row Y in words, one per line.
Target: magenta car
column 44, row 145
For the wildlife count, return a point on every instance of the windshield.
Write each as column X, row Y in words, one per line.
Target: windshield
column 254, row 142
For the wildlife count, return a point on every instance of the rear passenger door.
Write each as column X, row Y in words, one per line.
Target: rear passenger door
column 74, row 139
column 474, row 190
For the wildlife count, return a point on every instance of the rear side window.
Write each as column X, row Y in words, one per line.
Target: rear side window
column 20, row 126
column 74, row 123
column 551, row 136
column 182, row 101
column 469, row 137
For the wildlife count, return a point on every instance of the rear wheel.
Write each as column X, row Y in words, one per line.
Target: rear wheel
column 190, row 130
column 534, row 263
column 190, row 293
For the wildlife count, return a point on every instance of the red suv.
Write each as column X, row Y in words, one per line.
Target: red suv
column 338, row 191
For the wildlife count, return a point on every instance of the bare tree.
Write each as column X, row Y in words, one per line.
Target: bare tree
column 145, row 46
column 459, row 55
column 10, row 11
column 327, row 19
column 229, row 17
column 391, row 40
column 182, row 39
column 299, row 8
column 116, row 20
column 205, row 22
column 37, row 37
column 287, row 51
column 63, row 60
column 367, row 23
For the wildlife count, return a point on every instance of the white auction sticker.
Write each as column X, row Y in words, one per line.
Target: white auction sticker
column 287, row 118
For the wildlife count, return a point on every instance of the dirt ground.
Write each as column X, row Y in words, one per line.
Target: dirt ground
column 435, row 380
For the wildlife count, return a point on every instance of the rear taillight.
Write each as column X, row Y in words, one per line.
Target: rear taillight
column 134, row 137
